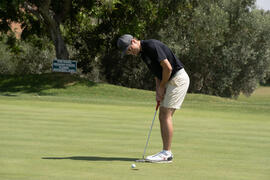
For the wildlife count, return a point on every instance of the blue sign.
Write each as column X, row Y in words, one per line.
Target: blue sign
column 68, row 66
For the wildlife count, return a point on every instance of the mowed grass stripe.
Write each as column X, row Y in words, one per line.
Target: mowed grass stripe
column 29, row 125
column 73, row 140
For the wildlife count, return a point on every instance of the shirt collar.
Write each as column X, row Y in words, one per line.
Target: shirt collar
column 142, row 46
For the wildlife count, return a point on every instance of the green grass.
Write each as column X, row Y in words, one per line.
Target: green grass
column 62, row 127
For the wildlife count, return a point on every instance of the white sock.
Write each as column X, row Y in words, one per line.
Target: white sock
column 167, row 152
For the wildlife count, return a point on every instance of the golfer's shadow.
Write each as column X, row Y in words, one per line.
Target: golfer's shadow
column 91, row 158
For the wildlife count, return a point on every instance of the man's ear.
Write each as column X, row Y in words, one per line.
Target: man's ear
column 132, row 41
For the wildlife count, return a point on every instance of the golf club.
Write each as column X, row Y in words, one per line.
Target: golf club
column 143, row 160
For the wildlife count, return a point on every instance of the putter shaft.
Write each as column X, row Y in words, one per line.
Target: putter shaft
column 149, row 133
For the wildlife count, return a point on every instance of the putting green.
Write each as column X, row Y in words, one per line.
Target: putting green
column 98, row 137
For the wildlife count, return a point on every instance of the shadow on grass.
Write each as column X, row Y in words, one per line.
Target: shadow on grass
column 37, row 83
column 10, row 95
column 92, row 158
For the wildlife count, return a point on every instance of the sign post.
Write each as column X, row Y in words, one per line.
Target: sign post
column 68, row 66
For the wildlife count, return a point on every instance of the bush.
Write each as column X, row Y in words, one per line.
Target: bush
column 6, row 65
column 224, row 47
column 128, row 71
column 32, row 56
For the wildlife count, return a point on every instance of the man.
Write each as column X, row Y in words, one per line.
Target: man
column 172, row 83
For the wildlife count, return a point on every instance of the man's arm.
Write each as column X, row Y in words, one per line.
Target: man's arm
column 166, row 73
column 157, row 87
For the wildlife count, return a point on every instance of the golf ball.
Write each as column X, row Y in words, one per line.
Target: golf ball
column 133, row 165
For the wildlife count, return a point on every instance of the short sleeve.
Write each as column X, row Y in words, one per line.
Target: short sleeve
column 160, row 53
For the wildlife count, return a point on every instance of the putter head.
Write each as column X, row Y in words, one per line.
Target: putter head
column 141, row 160
column 148, row 161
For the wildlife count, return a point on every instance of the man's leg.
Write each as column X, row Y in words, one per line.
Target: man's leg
column 166, row 126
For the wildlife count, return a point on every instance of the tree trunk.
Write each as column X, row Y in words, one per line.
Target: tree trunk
column 53, row 22
column 59, row 43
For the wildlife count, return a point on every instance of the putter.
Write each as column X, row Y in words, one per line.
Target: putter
column 143, row 159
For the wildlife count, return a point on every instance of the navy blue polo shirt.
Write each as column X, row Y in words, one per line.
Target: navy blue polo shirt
column 153, row 52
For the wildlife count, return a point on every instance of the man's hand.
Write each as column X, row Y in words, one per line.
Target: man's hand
column 160, row 92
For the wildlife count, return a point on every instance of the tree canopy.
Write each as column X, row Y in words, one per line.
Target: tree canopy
column 224, row 44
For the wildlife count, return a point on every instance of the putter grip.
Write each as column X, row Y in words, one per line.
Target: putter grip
column 158, row 103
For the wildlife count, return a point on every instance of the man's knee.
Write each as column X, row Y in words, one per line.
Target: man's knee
column 165, row 113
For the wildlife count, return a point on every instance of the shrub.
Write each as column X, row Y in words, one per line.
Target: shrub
column 32, row 56
column 6, row 65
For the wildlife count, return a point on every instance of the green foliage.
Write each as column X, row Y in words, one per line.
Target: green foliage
column 6, row 65
column 129, row 71
column 32, row 56
column 34, row 60
column 223, row 46
column 42, row 18
column 9, row 11
column 262, row 43
column 97, row 30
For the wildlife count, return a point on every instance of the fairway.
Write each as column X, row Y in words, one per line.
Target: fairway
column 56, row 134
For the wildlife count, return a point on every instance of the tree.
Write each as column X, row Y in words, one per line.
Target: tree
column 262, row 43
column 222, row 45
column 43, row 18
column 97, row 32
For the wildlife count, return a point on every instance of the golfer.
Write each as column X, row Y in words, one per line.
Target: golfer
column 172, row 83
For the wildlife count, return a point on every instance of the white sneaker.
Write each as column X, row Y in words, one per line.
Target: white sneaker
column 161, row 157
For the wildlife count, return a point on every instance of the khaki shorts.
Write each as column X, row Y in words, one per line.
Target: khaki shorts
column 176, row 90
